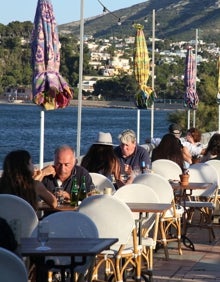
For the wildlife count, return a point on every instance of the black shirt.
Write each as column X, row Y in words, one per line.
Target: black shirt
column 78, row 172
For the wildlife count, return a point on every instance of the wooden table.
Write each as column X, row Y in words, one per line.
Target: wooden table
column 42, row 206
column 80, row 247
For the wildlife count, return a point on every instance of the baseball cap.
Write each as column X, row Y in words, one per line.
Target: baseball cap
column 175, row 128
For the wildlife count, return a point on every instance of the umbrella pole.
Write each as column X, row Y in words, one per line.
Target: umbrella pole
column 41, row 139
column 153, row 71
column 138, row 126
column 188, row 119
column 194, row 118
column 80, row 79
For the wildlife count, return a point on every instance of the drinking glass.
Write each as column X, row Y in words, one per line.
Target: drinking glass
column 43, row 235
column 59, row 195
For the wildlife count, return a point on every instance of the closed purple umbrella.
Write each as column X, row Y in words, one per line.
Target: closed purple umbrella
column 50, row 90
column 191, row 98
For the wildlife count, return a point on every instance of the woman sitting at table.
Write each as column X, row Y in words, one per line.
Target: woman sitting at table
column 169, row 148
column 101, row 158
column 17, row 179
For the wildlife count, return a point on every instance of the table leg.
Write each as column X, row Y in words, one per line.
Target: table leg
column 186, row 241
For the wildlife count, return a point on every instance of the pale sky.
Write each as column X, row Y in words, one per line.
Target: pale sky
column 65, row 10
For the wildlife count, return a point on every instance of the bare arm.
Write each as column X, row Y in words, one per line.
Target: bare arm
column 45, row 195
column 47, row 170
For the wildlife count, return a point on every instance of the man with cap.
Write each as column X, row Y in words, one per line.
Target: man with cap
column 176, row 130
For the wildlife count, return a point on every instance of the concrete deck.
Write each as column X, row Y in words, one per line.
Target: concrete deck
column 203, row 264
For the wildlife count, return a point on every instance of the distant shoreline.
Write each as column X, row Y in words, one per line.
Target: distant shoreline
column 109, row 104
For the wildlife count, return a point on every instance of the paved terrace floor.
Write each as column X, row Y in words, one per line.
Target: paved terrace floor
column 203, row 264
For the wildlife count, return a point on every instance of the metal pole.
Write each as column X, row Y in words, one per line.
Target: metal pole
column 138, row 126
column 41, row 163
column 152, row 73
column 196, row 53
column 80, row 79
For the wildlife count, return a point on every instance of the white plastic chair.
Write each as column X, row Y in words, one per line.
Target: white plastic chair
column 140, row 193
column 69, row 224
column 15, row 208
column 167, row 168
column 113, row 219
column 12, row 267
column 171, row 218
column 202, row 200
column 101, row 182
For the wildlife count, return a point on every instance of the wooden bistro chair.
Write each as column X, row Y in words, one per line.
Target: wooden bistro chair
column 101, row 182
column 202, row 200
column 167, row 168
column 69, row 224
column 14, row 208
column 171, row 219
column 12, row 267
column 114, row 219
column 140, row 193
column 216, row 165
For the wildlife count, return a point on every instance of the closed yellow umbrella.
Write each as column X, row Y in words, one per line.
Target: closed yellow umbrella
column 145, row 96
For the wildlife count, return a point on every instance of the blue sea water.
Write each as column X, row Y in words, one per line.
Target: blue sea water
column 20, row 127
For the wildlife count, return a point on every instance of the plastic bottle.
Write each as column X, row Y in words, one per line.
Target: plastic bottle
column 83, row 190
column 74, row 194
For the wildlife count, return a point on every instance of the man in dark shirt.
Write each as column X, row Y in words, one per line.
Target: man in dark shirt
column 64, row 171
column 129, row 153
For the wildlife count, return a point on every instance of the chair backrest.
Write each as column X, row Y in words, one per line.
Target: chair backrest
column 136, row 192
column 12, row 267
column 159, row 184
column 203, row 172
column 112, row 217
column 101, row 182
column 69, row 224
column 167, row 168
column 216, row 165
column 15, row 208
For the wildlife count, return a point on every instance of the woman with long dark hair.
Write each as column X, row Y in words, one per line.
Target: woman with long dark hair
column 169, row 148
column 17, row 179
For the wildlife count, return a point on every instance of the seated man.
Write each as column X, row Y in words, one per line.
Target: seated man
column 64, row 171
column 130, row 154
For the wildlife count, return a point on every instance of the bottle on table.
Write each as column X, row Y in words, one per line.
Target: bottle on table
column 143, row 167
column 82, row 190
column 74, row 194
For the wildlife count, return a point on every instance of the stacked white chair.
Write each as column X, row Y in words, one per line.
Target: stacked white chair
column 114, row 219
column 69, row 224
column 140, row 193
column 101, row 182
column 203, row 200
column 171, row 218
column 12, row 267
